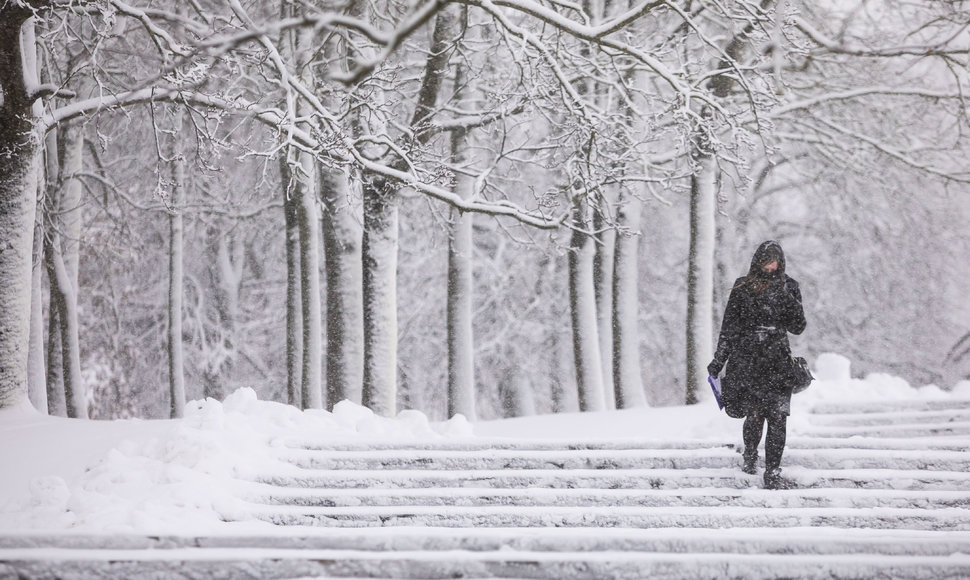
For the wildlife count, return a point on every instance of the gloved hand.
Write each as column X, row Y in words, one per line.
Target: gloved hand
column 714, row 368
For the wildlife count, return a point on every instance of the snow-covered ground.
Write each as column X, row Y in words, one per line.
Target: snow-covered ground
column 181, row 476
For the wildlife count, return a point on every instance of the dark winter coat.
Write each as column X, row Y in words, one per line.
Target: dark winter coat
column 761, row 310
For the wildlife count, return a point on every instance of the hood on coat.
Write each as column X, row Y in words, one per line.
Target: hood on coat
column 766, row 252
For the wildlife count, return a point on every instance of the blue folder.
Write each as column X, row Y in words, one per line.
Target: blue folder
column 715, row 383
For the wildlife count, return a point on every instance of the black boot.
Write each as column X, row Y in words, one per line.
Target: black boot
column 774, row 480
column 751, row 432
column 750, row 462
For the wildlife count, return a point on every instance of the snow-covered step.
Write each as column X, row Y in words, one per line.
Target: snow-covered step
column 889, row 405
column 188, row 563
column 536, row 497
column 730, row 478
column 924, row 444
column 891, row 418
column 944, row 519
column 720, row 457
column 815, row 540
column 956, row 428
column 795, row 440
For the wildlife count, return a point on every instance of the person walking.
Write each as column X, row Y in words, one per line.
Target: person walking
column 763, row 307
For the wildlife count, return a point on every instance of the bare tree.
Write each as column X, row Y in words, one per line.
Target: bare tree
column 342, row 232
column 582, row 302
column 176, row 271
column 294, row 288
column 19, row 156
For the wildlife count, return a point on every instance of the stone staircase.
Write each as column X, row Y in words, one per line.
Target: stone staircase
column 884, row 492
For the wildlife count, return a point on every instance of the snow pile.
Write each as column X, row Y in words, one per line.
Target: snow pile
column 186, row 476
column 834, row 382
column 178, row 475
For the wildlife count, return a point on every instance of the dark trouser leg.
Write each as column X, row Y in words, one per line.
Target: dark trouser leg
column 754, row 425
column 775, row 441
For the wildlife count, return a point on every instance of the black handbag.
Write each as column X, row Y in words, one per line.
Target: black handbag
column 801, row 376
column 732, row 396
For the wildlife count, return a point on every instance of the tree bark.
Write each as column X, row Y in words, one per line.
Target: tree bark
column 56, row 401
column 69, row 203
column 64, row 155
column 19, row 157
column 64, row 300
column 176, row 370
column 294, row 291
column 379, row 255
column 309, row 221
column 461, row 342
column 37, row 377
column 36, row 359
column 627, row 372
column 342, row 232
column 461, row 345
column 582, row 305
column 66, row 234
column 603, row 283
column 700, row 282
column 303, row 167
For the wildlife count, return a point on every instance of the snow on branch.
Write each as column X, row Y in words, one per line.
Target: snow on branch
column 305, row 140
column 894, row 153
column 494, row 208
column 420, row 16
column 594, row 34
column 862, row 92
column 937, row 49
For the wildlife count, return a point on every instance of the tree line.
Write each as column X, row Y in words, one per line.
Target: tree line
column 486, row 208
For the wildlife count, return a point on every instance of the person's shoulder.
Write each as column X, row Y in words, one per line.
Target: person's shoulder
column 791, row 282
column 738, row 290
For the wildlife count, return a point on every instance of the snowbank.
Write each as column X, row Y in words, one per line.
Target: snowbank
column 166, row 476
column 169, row 476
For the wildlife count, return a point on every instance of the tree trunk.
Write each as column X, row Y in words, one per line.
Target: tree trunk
column 294, row 294
column 225, row 272
column 461, row 346
column 700, row 282
column 69, row 204
column 342, row 233
column 627, row 373
column 64, row 300
column 36, row 359
column 62, row 248
column 176, row 371
column 69, row 230
column 548, row 283
column 309, row 220
column 63, row 206
column 517, row 394
column 57, row 402
column 305, row 184
column 380, row 240
column 379, row 254
column 461, row 343
column 19, row 157
column 37, row 374
column 603, row 282
column 582, row 305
